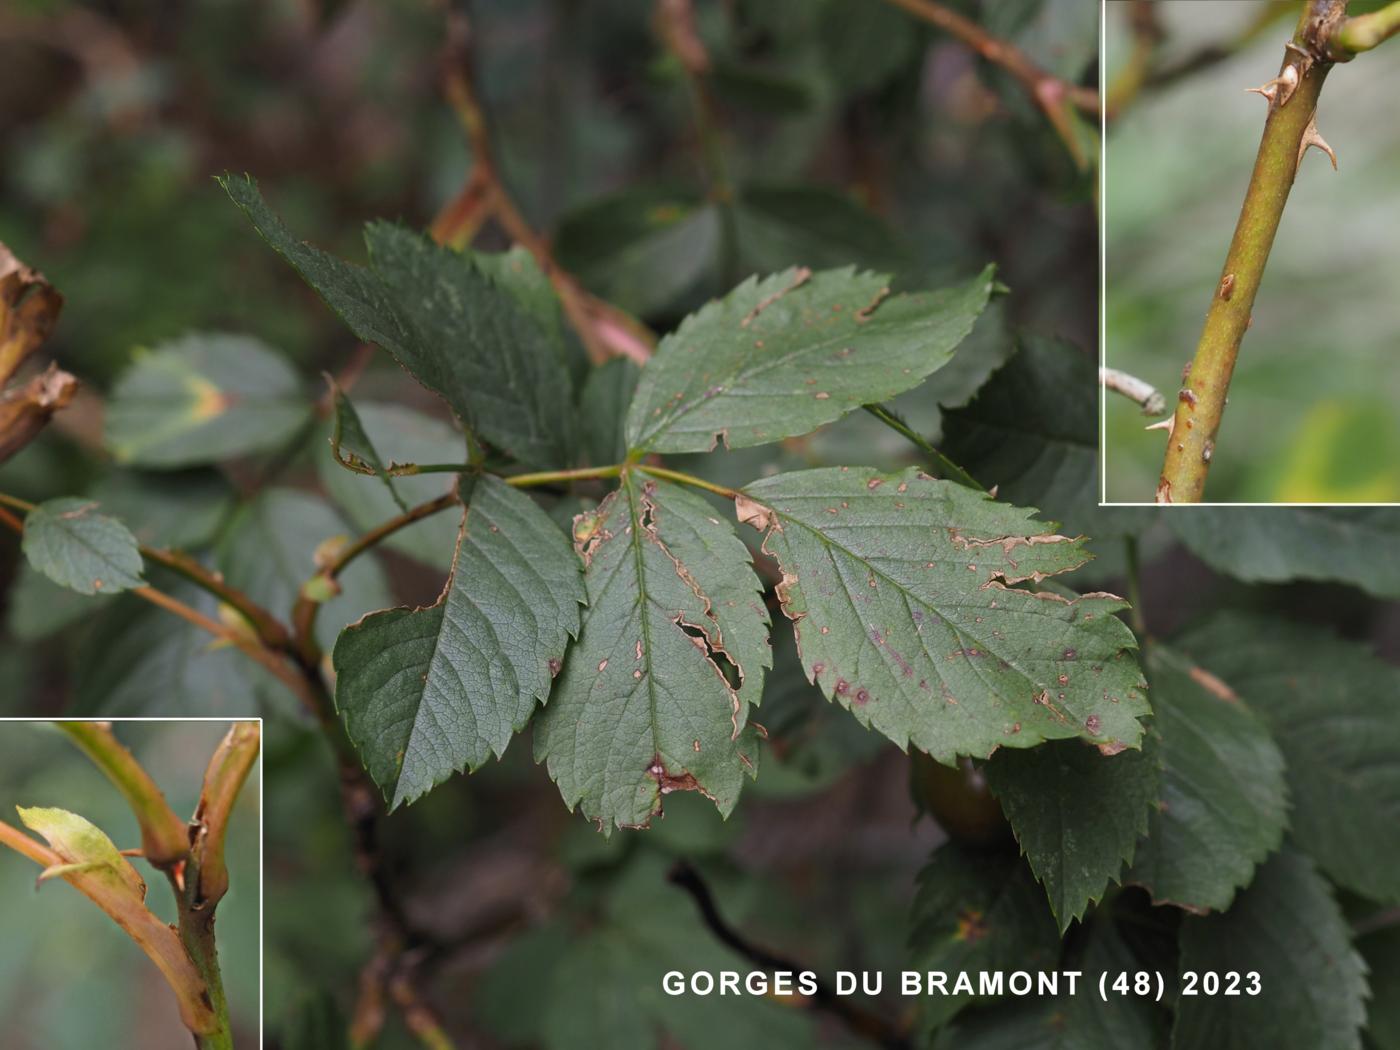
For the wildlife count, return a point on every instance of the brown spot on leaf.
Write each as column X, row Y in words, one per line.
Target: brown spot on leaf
column 799, row 278
column 863, row 314
column 1093, row 723
column 668, row 781
column 751, row 512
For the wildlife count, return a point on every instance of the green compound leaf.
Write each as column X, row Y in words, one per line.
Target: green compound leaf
column 72, row 544
column 1359, row 546
column 902, row 592
column 201, row 399
column 977, row 911
column 1287, row 928
column 1334, row 711
column 783, row 355
column 352, row 447
column 1076, row 813
column 429, row 692
column 1223, row 803
column 655, row 695
column 442, row 316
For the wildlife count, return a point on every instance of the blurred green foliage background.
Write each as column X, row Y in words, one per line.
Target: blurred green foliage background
column 857, row 135
column 1312, row 414
column 68, row 976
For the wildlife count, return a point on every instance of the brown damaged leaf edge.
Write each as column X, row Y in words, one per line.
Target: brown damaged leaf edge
column 765, row 519
column 29, row 309
column 710, row 639
column 800, row 277
column 589, row 536
column 1010, row 543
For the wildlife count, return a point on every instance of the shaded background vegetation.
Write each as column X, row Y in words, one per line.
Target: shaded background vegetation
column 857, row 135
column 1312, row 405
column 68, row 976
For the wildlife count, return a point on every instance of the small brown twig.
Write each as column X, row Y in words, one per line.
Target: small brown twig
column 604, row 330
column 268, row 627
column 872, row 1026
column 1210, row 55
column 1148, row 397
column 1147, row 34
column 1051, row 95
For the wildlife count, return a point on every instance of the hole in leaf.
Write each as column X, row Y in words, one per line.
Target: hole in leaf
column 726, row 667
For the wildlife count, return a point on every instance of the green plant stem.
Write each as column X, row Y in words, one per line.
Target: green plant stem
column 17, row 503
column 1201, row 402
column 21, row 843
column 308, row 604
column 269, row 629
column 223, row 780
column 1365, row 31
column 249, row 644
column 553, row 477
column 165, row 839
column 688, row 479
column 196, row 928
column 945, row 466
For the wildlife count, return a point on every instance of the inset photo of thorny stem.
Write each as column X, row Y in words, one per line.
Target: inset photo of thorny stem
column 1301, row 320
column 90, row 812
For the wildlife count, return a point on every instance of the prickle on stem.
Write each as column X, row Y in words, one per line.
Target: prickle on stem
column 1312, row 138
column 1280, row 89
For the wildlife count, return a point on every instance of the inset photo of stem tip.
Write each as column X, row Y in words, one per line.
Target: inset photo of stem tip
column 120, row 840
column 1249, row 283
